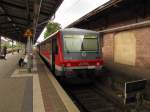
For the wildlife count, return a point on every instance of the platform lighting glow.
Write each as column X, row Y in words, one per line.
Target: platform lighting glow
column 14, row 43
column 4, row 39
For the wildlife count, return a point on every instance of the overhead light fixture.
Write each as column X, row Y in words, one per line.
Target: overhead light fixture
column 1, row 9
column 9, row 19
column 14, row 25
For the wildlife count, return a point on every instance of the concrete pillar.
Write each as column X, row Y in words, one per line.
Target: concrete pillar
column 30, row 54
column 12, row 47
column 0, row 45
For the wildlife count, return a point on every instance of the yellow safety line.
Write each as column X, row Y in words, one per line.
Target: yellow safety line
column 38, row 105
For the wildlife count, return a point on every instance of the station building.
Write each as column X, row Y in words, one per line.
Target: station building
column 124, row 28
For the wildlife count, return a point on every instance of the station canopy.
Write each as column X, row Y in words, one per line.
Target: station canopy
column 16, row 16
column 115, row 13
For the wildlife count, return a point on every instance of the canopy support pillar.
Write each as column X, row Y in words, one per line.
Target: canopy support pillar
column 29, row 54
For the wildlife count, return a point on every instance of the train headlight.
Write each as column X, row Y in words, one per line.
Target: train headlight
column 68, row 64
column 98, row 63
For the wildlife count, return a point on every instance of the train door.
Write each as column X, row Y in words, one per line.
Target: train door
column 54, row 52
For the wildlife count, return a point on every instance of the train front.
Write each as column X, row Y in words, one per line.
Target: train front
column 82, row 52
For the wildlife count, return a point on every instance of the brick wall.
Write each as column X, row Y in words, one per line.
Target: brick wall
column 143, row 48
column 142, row 65
column 107, row 48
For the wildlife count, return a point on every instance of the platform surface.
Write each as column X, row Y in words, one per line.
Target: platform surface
column 11, row 89
column 37, row 91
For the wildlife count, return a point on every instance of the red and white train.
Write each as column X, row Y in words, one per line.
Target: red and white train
column 72, row 51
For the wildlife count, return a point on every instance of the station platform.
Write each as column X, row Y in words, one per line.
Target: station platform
column 37, row 91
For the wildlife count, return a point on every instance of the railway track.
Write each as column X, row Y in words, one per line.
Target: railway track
column 94, row 97
column 89, row 98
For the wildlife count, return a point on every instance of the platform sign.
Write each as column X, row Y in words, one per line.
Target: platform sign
column 132, row 89
column 28, row 33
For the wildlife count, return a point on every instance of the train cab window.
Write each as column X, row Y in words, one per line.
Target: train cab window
column 78, row 43
column 90, row 43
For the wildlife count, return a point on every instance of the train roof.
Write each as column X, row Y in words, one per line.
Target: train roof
column 77, row 30
column 73, row 30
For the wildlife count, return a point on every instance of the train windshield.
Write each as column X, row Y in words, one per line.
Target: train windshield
column 79, row 43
